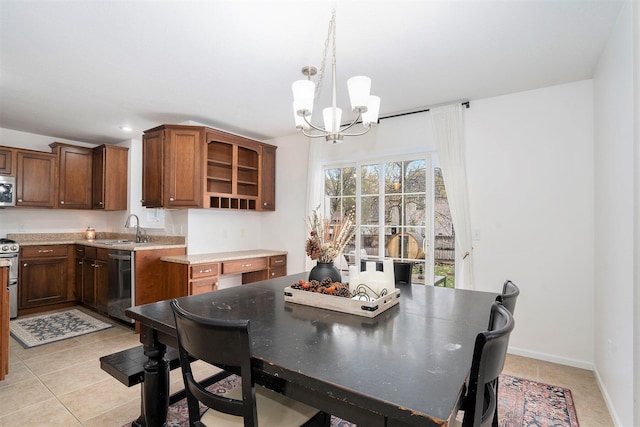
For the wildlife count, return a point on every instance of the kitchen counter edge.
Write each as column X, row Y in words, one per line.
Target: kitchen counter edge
column 123, row 246
column 221, row 256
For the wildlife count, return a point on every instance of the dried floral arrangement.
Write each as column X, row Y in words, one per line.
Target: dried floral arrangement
column 326, row 241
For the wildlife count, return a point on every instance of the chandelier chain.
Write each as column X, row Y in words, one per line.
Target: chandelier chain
column 331, row 37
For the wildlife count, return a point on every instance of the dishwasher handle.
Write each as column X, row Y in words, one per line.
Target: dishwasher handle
column 120, row 256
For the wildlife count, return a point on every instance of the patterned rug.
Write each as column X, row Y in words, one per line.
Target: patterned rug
column 52, row 327
column 521, row 403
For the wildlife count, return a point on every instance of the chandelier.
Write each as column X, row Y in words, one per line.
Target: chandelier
column 305, row 92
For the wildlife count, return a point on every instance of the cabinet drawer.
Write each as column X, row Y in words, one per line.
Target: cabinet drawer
column 204, row 270
column 244, row 265
column 277, row 261
column 202, row 286
column 44, row 251
column 277, row 272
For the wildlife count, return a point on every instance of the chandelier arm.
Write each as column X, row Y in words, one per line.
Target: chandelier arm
column 366, row 129
column 310, row 135
column 315, row 127
column 350, row 125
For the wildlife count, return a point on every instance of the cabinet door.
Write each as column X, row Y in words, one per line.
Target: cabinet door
column 42, row 282
column 184, row 165
column 268, row 179
column 89, row 283
column 152, row 169
column 7, row 160
column 35, row 181
column 201, row 286
column 74, row 176
column 101, row 278
column 79, row 276
column 110, row 175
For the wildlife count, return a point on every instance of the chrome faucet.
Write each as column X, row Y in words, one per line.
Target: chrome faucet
column 139, row 237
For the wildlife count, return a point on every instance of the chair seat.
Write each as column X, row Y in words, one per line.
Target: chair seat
column 274, row 409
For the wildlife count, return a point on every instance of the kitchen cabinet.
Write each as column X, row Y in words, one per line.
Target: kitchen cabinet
column 186, row 279
column 172, row 163
column 74, row 172
column 110, row 177
column 200, row 167
column 4, row 322
column 95, row 278
column 7, row 161
column 35, row 179
column 277, row 266
column 44, row 276
column 151, row 281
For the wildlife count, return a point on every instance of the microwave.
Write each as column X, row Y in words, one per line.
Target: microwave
column 7, row 191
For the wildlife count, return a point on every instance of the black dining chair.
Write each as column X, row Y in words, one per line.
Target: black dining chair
column 227, row 344
column 480, row 401
column 509, row 296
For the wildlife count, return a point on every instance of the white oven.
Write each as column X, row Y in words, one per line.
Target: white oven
column 7, row 191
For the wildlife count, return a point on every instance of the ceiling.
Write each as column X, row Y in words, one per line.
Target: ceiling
column 80, row 70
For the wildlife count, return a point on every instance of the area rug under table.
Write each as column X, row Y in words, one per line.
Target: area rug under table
column 521, row 403
column 52, row 327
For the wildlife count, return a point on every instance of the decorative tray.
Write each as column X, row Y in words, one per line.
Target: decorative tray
column 346, row 305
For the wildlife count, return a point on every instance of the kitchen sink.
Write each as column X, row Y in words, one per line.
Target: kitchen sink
column 115, row 242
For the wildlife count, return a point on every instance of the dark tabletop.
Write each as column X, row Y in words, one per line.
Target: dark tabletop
column 407, row 363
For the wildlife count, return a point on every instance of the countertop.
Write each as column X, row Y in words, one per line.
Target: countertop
column 221, row 256
column 5, row 263
column 157, row 242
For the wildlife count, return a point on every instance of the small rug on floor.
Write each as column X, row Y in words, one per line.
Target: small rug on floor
column 521, row 403
column 47, row 328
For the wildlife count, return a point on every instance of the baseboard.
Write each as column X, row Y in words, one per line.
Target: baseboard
column 607, row 399
column 552, row 358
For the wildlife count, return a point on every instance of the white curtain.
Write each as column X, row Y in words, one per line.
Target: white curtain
column 448, row 125
column 315, row 184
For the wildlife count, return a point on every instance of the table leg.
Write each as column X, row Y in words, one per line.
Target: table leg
column 155, row 387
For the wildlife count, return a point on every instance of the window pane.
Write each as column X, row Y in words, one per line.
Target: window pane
column 332, row 182
column 334, row 207
column 415, row 180
column 348, row 204
column 415, row 242
column 392, row 210
column 392, row 177
column 370, row 176
column 414, row 210
column 369, row 240
column 349, row 181
column 370, row 211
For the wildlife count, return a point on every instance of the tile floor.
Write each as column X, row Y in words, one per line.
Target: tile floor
column 61, row 384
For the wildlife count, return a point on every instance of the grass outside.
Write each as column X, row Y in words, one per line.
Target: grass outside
column 447, row 270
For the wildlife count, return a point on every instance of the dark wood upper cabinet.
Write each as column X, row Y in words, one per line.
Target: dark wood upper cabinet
column 7, row 161
column 75, row 166
column 35, row 179
column 201, row 167
column 110, row 177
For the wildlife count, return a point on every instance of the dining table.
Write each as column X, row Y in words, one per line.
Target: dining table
column 406, row 366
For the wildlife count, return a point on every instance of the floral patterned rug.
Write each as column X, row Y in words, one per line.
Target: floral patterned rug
column 521, row 403
column 48, row 328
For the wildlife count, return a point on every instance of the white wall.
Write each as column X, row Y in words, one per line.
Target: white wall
column 614, row 199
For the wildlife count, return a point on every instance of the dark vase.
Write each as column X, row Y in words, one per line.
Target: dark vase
column 325, row 269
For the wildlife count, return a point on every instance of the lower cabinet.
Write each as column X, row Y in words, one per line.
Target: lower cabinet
column 191, row 279
column 44, row 275
column 93, row 277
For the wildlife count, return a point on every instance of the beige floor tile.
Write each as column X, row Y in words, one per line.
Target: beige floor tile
column 96, row 399
column 113, row 344
column 17, row 372
column 116, row 417
column 20, row 395
column 52, row 362
column 42, row 350
column 49, row 413
column 74, row 377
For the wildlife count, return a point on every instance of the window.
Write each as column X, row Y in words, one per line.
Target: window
column 394, row 203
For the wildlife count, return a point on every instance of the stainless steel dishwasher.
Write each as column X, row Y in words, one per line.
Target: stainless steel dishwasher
column 120, row 289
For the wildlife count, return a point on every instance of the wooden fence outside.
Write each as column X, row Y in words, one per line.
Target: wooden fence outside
column 445, row 249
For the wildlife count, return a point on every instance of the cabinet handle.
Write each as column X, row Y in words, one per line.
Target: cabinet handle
column 171, row 199
column 278, row 261
column 25, row 265
column 20, row 200
column 100, row 203
column 264, row 204
column 246, row 265
column 208, row 270
column 44, row 251
column 62, row 202
column 273, row 274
